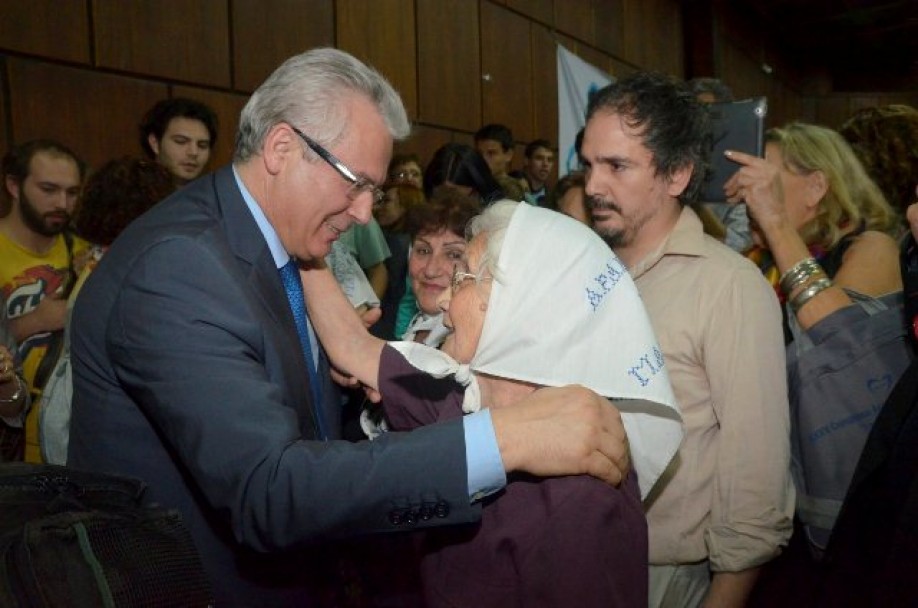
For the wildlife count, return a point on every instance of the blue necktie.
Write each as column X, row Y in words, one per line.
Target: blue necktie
column 290, row 275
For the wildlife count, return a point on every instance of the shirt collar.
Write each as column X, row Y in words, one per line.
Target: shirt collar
column 280, row 255
column 686, row 238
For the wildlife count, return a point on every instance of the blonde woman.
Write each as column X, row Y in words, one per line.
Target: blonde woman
column 827, row 228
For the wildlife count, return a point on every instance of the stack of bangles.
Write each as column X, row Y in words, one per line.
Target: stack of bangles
column 807, row 279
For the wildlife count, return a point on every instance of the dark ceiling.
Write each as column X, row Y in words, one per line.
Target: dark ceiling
column 864, row 45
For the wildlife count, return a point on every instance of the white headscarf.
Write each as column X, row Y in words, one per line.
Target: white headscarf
column 433, row 324
column 564, row 310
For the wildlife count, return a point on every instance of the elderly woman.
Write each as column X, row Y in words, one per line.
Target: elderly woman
column 827, row 229
column 524, row 317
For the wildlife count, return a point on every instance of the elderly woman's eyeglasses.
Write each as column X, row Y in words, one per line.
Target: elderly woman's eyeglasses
column 359, row 185
column 461, row 277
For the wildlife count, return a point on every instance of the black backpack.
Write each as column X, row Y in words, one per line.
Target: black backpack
column 74, row 538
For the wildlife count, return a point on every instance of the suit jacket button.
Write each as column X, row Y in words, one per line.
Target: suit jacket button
column 441, row 509
column 411, row 517
column 395, row 518
column 426, row 511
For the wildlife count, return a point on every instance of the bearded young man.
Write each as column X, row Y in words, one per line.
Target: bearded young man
column 37, row 256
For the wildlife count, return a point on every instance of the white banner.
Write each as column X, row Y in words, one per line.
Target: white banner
column 577, row 80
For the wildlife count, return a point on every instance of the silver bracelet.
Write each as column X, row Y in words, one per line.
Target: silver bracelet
column 18, row 394
column 799, row 274
column 809, row 293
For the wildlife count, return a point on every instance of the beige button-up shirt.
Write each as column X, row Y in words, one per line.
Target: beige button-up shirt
column 728, row 494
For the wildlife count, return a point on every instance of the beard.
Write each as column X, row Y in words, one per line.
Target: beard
column 614, row 237
column 39, row 223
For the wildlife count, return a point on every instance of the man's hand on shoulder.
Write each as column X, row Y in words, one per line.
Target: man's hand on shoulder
column 563, row 431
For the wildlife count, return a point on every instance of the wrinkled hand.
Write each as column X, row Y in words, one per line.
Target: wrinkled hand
column 758, row 183
column 348, row 381
column 563, row 431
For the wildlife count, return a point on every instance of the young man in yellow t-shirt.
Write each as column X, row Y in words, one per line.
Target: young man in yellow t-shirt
column 38, row 258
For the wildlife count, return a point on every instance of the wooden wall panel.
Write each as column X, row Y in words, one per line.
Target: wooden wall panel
column 57, row 29
column 506, row 58
column 434, row 51
column 176, row 39
column 424, row 141
column 575, row 18
column 94, row 113
column 832, row 111
column 227, row 106
column 544, row 84
column 609, row 26
column 742, row 73
column 381, row 34
column 267, row 32
column 542, row 11
column 449, row 64
column 620, row 69
column 653, row 35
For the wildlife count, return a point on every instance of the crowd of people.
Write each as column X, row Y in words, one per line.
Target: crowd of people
column 596, row 390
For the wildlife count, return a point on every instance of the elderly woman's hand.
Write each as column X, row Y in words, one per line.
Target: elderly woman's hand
column 758, row 183
column 563, row 431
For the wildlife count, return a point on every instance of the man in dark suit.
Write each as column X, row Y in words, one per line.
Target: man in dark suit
column 190, row 372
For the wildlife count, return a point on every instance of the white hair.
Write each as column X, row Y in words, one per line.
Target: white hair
column 307, row 91
column 492, row 223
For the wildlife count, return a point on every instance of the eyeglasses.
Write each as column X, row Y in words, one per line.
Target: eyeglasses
column 461, row 277
column 359, row 185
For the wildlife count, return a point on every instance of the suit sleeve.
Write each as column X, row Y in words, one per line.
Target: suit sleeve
column 196, row 347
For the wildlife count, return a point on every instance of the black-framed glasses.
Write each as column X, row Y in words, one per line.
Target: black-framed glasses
column 359, row 184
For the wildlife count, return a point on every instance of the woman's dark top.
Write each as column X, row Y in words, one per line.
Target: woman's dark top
column 566, row 541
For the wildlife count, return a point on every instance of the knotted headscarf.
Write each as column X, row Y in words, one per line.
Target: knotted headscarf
column 564, row 310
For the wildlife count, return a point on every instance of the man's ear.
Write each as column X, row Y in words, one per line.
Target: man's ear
column 154, row 144
column 679, row 180
column 280, row 144
column 12, row 187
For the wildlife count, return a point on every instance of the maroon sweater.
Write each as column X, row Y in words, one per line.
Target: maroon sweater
column 568, row 541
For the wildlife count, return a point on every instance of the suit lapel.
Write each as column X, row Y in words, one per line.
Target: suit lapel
column 248, row 244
